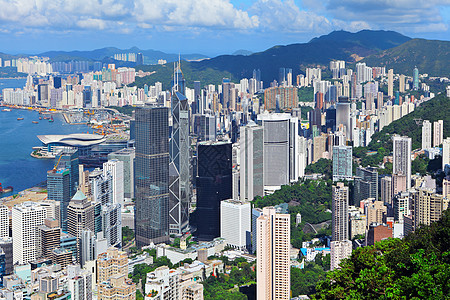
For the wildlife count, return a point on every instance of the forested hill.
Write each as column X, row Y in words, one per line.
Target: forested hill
column 417, row 267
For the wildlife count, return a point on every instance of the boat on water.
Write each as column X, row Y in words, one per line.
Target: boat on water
column 6, row 109
column 6, row 189
column 34, row 122
column 40, row 118
column 18, row 119
column 51, row 119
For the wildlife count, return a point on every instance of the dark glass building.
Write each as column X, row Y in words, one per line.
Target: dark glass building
column 152, row 175
column 214, row 184
column 58, row 189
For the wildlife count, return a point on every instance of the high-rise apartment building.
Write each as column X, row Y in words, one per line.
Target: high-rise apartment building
column 386, row 189
column 339, row 212
column 79, row 283
column 110, row 263
column 251, row 161
column 428, row 206
column 445, row 153
column 152, row 175
column 343, row 116
column 214, row 184
column 273, row 261
column 438, row 133
column 402, row 157
column 4, row 222
column 26, row 217
column 391, row 83
column 426, row 135
column 339, row 250
column 180, row 159
column 342, row 163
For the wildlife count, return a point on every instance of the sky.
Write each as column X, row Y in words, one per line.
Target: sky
column 209, row 27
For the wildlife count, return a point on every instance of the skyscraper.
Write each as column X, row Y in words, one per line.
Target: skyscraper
column 366, row 184
column 214, row 184
column 4, row 222
column 391, row 83
column 127, row 157
column 26, row 217
column 251, row 162
column 68, row 159
column 273, row 261
column 402, row 157
column 115, row 168
column 180, row 158
column 438, row 133
column 49, row 235
column 152, row 175
column 58, row 189
column 416, row 78
column 339, row 250
column 339, row 211
column 342, row 163
column 445, row 152
column 426, row 135
column 235, row 223
column 343, row 116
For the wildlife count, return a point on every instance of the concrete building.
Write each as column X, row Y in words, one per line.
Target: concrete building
column 377, row 233
column 438, row 133
column 342, row 163
column 390, row 83
column 273, row 259
column 339, row 250
column 428, row 206
column 446, row 153
column 366, row 184
column 386, row 189
column 79, row 283
column 111, row 263
column 235, row 223
column 115, row 168
column 375, row 211
column 26, row 217
column 4, row 221
column 426, row 134
column 117, row 287
column 49, row 237
column 126, row 156
column 251, row 162
column 402, row 157
column 339, row 211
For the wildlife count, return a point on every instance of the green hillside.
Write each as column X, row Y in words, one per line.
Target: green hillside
column 417, row 267
column 430, row 56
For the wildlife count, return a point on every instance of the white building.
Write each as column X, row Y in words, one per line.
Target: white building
column 402, row 157
column 79, row 282
column 235, row 223
column 438, row 133
column 339, row 212
column 115, row 167
column 26, row 217
column 426, row 135
column 445, row 153
column 273, row 255
column 339, row 250
column 4, row 222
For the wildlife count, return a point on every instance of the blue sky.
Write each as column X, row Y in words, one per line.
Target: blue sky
column 206, row 26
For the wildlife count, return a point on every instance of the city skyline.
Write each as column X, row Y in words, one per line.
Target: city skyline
column 210, row 28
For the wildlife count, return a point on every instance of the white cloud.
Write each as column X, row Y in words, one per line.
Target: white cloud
column 91, row 23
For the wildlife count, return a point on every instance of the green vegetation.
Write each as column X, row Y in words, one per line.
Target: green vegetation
column 310, row 198
column 430, row 56
column 417, row 267
column 306, row 94
column 126, row 110
column 224, row 286
column 305, row 110
column 140, row 271
column 127, row 235
column 322, row 166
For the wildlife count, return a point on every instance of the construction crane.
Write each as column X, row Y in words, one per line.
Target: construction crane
column 57, row 164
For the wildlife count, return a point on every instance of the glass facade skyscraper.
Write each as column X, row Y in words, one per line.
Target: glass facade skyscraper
column 58, row 188
column 214, row 184
column 152, row 175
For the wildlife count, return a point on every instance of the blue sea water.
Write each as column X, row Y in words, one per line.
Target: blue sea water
column 12, row 83
column 17, row 138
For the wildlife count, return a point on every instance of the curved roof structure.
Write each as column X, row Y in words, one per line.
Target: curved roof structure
column 73, row 140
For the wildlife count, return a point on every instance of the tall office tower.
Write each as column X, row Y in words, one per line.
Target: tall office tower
column 339, row 250
column 445, row 153
column 68, row 159
column 83, row 179
column 2, row 266
column 370, row 101
column 343, row 116
column 416, row 78
column 391, row 83
column 58, row 189
column 438, row 133
column 49, row 235
column 79, row 283
column 6, row 245
column 139, row 59
column 379, row 100
column 152, row 175
column 197, row 105
column 402, row 157
column 101, row 187
column 273, row 262
column 115, row 168
column 126, row 156
column 235, row 223
column 251, row 162
column 401, row 83
column 366, row 184
column 386, row 190
column 179, row 168
column 111, row 224
column 280, row 149
column 205, row 127
column 26, row 217
column 214, row 184
column 342, row 163
column 426, row 135
column 339, row 211
column 4, row 222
